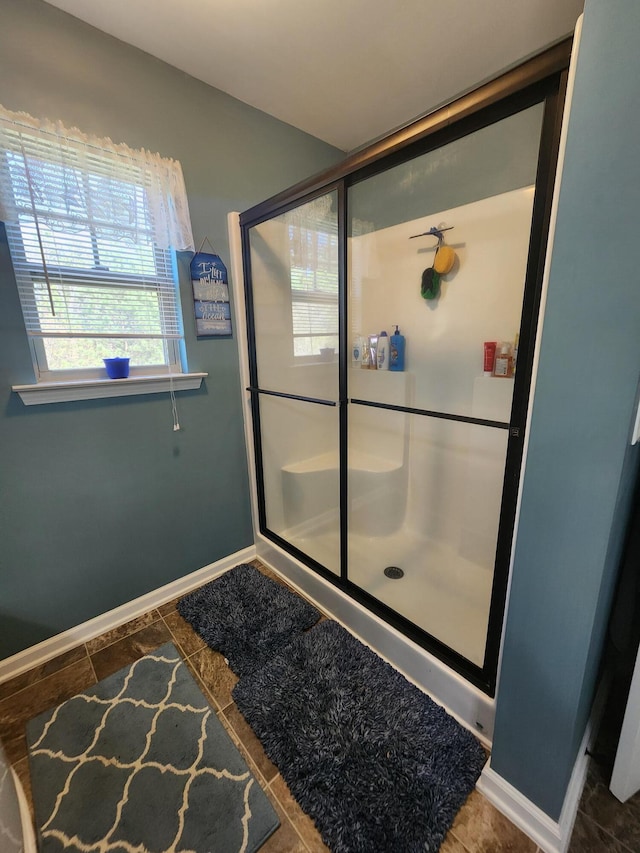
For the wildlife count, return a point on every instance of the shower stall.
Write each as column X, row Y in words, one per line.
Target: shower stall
column 400, row 487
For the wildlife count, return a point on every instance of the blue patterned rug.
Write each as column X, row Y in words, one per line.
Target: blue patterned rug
column 247, row 616
column 373, row 760
column 140, row 761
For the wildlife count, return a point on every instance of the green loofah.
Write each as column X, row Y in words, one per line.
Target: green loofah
column 430, row 288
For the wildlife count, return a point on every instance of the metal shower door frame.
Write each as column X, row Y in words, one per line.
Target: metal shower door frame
column 540, row 80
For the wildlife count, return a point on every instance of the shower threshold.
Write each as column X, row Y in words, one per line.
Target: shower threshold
column 441, row 591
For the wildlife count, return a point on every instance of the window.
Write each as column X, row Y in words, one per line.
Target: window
column 314, row 299
column 312, row 232
column 313, row 253
column 91, row 228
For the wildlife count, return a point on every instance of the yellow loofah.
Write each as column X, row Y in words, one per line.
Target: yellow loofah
column 444, row 260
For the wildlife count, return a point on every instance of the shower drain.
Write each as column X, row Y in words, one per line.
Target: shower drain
column 394, row 572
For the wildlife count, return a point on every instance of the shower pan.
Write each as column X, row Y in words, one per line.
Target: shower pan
column 400, row 487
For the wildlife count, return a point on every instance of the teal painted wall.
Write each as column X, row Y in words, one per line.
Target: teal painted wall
column 101, row 501
column 580, row 467
column 496, row 159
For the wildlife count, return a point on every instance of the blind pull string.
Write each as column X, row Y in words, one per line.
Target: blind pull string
column 148, row 179
column 35, row 217
column 172, row 396
column 174, row 405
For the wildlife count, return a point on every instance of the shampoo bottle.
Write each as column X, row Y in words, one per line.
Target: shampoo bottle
column 356, row 351
column 382, row 351
column 373, row 352
column 365, row 362
column 489, row 357
column 503, row 365
column 396, row 351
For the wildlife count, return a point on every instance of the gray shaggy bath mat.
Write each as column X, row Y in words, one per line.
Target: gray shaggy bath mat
column 247, row 616
column 376, row 763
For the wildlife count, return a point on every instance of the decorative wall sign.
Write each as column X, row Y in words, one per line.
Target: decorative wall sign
column 210, row 295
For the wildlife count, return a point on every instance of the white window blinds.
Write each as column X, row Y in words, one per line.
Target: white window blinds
column 313, row 255
column 90, row 226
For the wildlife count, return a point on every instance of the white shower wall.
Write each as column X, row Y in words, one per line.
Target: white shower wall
column 455, row 470
column 446, row 540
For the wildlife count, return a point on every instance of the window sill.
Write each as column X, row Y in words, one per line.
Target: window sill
column 93, row 389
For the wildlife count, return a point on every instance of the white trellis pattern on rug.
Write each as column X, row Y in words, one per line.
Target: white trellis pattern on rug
column 148, row 699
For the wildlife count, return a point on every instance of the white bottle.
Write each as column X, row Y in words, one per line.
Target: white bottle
column 383, row 351
column 356, row 352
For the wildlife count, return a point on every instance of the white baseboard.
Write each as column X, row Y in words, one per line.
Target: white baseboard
column 60, row 643
column 521, row 811
column 551, row 836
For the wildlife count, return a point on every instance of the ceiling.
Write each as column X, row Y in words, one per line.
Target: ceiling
column 346, row 71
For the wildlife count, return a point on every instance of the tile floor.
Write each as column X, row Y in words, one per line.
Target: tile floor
column 478, row 827
column 603, row 824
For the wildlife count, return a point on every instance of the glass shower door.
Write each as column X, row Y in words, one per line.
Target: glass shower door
column 293, row 261
column 428, row 446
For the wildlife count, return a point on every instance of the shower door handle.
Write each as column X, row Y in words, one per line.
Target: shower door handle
column 321, row 402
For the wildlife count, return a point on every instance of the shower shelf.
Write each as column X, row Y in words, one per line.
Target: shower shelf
column 492, row 398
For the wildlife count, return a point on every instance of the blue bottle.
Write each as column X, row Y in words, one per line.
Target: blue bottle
column 396, row 351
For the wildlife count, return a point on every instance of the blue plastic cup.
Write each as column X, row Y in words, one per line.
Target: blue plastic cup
column 117, row 368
